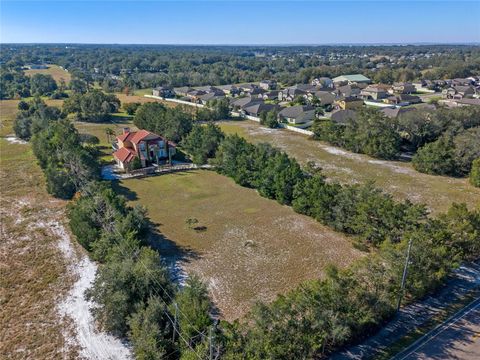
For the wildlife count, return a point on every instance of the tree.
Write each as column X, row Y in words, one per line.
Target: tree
column 151, row 331
column 372, row 133
column 436, row 157
column 41, row 84
column 131, row 108
column 174, row 124
column 475, row 173
column 202, row 142
column 194, row 305
column 94, row 106
column 269, row 118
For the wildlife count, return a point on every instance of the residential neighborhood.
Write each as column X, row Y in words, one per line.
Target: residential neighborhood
column 323, row 98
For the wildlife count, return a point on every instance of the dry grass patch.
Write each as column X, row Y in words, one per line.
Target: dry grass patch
column 33, row 275
column 56, row 71
column 126, row 99
column 395, row 177
column 245, row 247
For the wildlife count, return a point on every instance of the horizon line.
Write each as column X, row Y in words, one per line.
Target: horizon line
column 252, row 44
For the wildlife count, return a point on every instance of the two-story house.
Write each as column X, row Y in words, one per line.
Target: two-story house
column 148, row 147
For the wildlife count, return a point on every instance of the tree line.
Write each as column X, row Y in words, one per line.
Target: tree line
column 445, row 141
column 115, row 67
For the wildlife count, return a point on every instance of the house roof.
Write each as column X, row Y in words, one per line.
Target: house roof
column 395, row 112
column 124, row 154
column 295, row 112
column 342, row 116
column 258, row 108
column 136, row 136
column 246, row 101
column 351, row 78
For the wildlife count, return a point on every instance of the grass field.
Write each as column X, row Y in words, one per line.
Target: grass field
column 56, row 71
column 250, row 249
column 397, row 178
column 33, row 276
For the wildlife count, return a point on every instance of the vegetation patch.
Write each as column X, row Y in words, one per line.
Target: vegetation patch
column 55, row 71
column 395, row 177
column 252, row 247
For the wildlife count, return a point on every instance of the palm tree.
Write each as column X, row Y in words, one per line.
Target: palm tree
column 110, row 133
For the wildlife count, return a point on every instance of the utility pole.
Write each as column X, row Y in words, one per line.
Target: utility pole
column 404, row 276
column 175, row 323
column 210, row 340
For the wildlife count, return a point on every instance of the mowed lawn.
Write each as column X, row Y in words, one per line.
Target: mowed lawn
column 250, row 248
column 396, row 178
column 56, row 71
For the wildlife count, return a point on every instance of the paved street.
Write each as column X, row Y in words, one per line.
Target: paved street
column 465, row 280
column 457, row 338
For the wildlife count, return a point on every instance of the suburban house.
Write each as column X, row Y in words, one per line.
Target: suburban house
column 375, row 92
column 182, row 91
column 349, row 103
column 395, row 112
column 341, row 117
column 268, row 84
column 229, row 89
column 148, row 147
column 300, row 114
column 351, row 79
column 210, row 96
column 403, row 88
column 458, row 92
column 270, row 95
column 325, row 97
column 163, row 92
column 241, row 103
column 402, row 99
column 258, row 108
column 289, row 94
column 348, row 90
column 323, row 82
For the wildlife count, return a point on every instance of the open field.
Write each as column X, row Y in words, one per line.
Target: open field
column 125, row 99
column 33, row 276
column 397, row 178
column 56, row 71
column 250, row 249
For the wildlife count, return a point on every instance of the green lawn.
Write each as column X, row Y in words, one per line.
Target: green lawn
column 251, row 248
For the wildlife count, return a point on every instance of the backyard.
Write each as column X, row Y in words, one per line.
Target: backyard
column 245, row 247
column 395, row 177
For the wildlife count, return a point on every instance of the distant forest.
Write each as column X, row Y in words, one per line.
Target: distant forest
column 115, row 67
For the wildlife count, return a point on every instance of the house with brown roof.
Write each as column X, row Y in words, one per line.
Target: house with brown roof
column 349, row 103
column 403, row 88
column 375, row 92
column 144, row 145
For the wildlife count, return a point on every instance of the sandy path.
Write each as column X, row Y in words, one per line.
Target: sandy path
column 94, row 344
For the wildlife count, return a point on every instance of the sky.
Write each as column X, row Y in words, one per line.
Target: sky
column 239, row 22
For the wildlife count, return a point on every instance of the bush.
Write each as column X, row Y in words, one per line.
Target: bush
column 475, row 173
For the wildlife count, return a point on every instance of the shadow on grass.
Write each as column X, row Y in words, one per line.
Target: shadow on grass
column 123, row 190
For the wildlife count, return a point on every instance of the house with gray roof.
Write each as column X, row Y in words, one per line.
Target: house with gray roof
column 241, row 103
column 352, row 79
column 342, row 117
column 258, row 108
column 299, row 114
